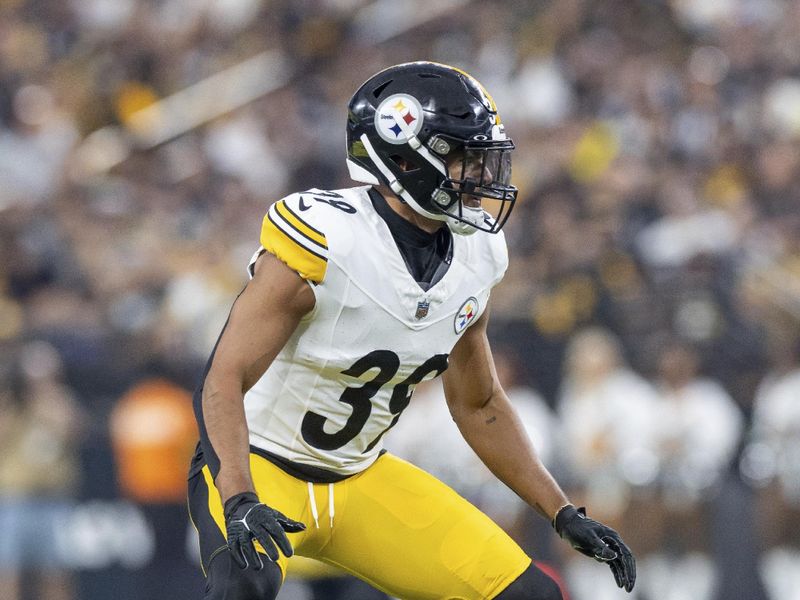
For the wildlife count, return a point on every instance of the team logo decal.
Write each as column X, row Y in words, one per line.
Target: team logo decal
column 398, row 117
column 466, row 314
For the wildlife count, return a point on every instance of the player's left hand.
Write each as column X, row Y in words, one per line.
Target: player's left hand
column 598, row 541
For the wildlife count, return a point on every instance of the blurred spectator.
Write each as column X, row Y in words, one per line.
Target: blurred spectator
column 686, row 229
column 608, row 415
column 34, row 147
column 772, row 463
column 40, row 425
column 153, row 424
column 153, row 434
column 609, row 419
column 776, row 430
column 699, row 428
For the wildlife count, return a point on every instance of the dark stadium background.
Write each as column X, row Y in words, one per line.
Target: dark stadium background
column 655, row 264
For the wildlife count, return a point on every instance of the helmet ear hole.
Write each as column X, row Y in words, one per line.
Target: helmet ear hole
column 405, row 165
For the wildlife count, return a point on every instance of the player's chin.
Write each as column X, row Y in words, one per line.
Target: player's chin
column 470, row 201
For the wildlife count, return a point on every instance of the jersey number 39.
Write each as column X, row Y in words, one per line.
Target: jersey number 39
column 360, row 398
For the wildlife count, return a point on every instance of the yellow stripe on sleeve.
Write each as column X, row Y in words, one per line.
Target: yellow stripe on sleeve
column 308, row 264
column 301, row 226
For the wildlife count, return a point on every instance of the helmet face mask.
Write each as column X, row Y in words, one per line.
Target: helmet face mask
column 431, row 133
column 479, row 175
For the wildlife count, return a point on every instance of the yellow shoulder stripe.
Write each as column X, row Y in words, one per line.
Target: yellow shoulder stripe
column 299, row 225
column 308, row 263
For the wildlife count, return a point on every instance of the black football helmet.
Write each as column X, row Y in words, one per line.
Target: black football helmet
column 432, row 134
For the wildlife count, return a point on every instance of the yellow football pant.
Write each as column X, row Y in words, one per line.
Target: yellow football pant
column 393, row 525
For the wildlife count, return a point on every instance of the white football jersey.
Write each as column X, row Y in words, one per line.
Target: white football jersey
column 348, row 371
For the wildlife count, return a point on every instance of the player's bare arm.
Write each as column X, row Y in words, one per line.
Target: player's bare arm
column 262, row 319
column 489, row 423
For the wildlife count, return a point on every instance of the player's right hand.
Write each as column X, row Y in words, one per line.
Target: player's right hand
column 247, row 520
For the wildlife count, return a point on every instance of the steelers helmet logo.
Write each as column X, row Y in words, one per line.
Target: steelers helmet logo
column 398, row 118
column 466, row 314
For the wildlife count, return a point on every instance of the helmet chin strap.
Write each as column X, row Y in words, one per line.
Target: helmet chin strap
column 395, row 185
column 472, row 217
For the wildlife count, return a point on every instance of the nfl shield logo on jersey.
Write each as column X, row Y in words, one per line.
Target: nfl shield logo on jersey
column 422, row 309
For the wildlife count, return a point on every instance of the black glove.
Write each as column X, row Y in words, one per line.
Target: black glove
column 598, row 541
column 247, row 519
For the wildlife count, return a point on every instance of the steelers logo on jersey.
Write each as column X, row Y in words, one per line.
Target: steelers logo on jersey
column 466, row 314
column 398, row 118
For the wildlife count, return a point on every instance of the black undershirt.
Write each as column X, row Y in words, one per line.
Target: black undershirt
column 427, row 255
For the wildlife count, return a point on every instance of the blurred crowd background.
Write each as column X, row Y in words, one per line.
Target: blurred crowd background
column 648, row 327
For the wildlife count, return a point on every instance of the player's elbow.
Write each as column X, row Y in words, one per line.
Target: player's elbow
column 223, row 381
column 469, row 412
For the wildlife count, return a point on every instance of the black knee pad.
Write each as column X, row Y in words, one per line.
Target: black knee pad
column 533, row 584
column 226, row 581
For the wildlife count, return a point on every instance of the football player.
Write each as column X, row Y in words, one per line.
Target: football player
column 355, row 297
